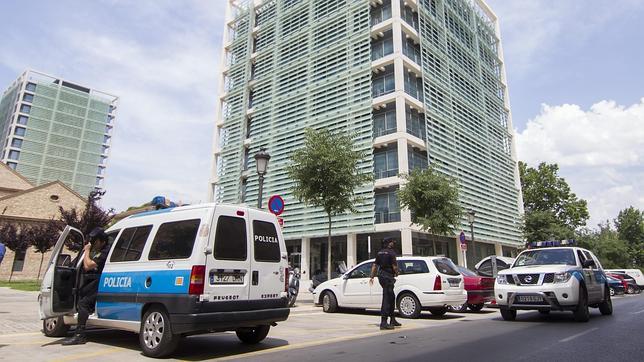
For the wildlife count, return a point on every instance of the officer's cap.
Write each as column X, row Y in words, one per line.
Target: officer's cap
column 98, row 234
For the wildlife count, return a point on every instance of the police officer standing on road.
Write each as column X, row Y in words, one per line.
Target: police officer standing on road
column 386, row 268
column 95, row 255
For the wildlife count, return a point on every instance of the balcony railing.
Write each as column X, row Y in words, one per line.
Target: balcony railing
column 420, row 133
column 378, row 174
column 379, row 132
column 383, row 217
column 412, row 53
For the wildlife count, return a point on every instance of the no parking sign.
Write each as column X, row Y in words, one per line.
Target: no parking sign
column 276, row 204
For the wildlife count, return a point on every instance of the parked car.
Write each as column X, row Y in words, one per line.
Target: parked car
column 633, row 273
column 615, row 286
column 484, row 267
column 480, row 290
column 629, row 283
column 424, row 283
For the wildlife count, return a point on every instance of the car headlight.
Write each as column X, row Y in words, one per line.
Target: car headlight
column 562, row 277
column 501, row 279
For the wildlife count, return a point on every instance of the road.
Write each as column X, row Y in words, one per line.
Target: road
column 311, row 335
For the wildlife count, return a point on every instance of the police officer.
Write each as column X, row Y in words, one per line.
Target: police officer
column 95, row 255
column 386, row 268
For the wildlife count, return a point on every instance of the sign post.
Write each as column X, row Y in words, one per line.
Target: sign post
column 276, row 207
column 463, row 241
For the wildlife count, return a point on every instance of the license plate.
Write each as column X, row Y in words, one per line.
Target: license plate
column 454, row 282
column 529, row 299
column 227, row 278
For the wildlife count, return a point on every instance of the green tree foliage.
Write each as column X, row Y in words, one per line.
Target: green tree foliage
column 607, row 246
column 630, row 226
column 44, row 237
column 552, row 210
column 432, row 199
column 92, row 216
column 326, row 174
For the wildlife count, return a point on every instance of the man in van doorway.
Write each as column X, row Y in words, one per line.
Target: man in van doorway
column 386, row 268
column 95, row 255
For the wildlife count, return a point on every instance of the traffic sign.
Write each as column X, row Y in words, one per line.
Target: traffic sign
column 462, row 238
column 276, row 204
column 463, row 246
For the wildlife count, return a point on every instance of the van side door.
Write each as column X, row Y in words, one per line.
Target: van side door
column 269, row 259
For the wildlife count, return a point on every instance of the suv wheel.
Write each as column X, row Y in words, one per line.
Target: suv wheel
column 329, row 302
column 606, row 307
column 508, row 314
column 612, row 291
column 408, row 306
column 155, row 336
column 581, row 313
column 253, row 335
column 54, row 327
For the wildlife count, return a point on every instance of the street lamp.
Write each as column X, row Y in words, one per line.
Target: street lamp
column 261, row 160
column 470, row 219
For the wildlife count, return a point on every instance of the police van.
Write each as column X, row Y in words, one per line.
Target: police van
column 176, row 272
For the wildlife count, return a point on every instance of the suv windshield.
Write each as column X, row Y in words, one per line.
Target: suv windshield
column 546, row 257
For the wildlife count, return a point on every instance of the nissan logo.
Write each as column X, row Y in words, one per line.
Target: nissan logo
column 527, row 279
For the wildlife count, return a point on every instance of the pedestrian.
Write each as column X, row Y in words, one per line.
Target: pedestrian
column 386, row 268
column 95, row 255
column 3, row 250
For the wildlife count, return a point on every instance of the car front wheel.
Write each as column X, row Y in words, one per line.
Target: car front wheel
column 54, row 327
column 329, row 302
column 508, row 314
column 606, row 307
column 581, row 313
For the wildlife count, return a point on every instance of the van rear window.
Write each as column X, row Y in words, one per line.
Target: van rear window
column 174, row 240
column 446, row 266
column 265, row 241
column 230, row 239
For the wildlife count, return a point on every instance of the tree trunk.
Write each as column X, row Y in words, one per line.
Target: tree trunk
column 328, row 251
column 42, row 256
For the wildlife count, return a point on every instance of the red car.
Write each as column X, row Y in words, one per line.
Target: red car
column 480, row 290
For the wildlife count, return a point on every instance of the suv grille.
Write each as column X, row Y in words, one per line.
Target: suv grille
column 549, row 278
column 510, row 278
column 528, row 278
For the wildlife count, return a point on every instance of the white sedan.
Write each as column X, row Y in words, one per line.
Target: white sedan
column 430, row 283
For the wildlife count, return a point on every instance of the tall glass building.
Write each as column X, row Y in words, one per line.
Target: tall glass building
column 417, row 82
column 52, row 129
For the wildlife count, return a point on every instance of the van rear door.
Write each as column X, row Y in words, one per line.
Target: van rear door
column 228, row 274
column 269, row 258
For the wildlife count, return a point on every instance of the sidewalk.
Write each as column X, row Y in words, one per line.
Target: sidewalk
column 18, row 311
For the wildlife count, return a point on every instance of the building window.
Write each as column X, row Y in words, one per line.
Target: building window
column 20, row 131
column 244, row 189
column 106, row 139
column 408, row 15
column 22, row 120
column 384, row 122
column 28, row 97
column 381, row 12
column 25, row 108
column 16, row 143
column 417, row 159
column 384, row 82
column 98, row 181
column 387, row 208
column 19, row 260
column 411, row 50
column 109, row 119
column 12, row 165
column 385, row 162
column 14, row 155
column 105, row 148
column 382, row 46
column 31, row 87
column 415, row 123
column 246, row 159
column 414, row 86
column 111, row 109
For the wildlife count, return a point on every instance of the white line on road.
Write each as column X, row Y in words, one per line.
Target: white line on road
column 642, row 311
column 577, row 335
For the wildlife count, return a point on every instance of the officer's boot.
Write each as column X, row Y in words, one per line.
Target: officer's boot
column 78, row 338
column 393, row 322
column 384, row 324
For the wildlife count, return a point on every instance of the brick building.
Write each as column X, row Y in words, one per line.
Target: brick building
column 23, row 203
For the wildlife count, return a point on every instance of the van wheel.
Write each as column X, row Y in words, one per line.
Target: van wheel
column 438, row 311
column 408, row 306
column 581, row 313
column 508, row 314
column 54, row 327
column 329, row 302
column 253, row 335
column 606, row 307
column 155, row 336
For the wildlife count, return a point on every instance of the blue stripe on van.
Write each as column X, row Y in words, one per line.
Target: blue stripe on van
column 163, row 282
column 119, row 310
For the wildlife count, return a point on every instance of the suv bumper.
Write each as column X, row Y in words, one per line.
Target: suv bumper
column 226, row 321
column 564, row 296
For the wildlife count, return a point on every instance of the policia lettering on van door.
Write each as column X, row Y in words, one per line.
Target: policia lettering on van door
column 386, row 268
column 94, row 257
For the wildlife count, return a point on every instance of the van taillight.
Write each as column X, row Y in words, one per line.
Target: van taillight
column 437, row 283
column 286, row 279
column 197, row 279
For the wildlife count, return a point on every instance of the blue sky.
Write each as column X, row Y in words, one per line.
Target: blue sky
column 574, row 70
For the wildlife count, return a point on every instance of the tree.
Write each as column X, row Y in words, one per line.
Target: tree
column 630, row 226
column 432, row 199
column 92, row 216
column 44, row 237
column 552, row 210
column 606, row 244
column 16, row 239
column 326, row 175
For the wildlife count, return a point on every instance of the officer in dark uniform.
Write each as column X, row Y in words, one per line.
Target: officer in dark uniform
column 95, row 255
column 386, row 268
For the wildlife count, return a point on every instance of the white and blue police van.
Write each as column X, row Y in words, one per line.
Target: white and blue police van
column 176, row 272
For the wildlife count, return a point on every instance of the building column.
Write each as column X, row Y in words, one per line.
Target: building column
column 306, row 252
column 352, row 250
column 406, row 241
column 498, row 249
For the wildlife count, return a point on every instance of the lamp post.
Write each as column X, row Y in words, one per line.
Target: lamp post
column 470, row 219
column 261, row 161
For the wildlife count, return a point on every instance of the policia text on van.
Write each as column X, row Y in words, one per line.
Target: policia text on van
column 181, row 271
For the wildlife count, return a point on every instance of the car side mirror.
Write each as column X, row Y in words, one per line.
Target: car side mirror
column 588, row 263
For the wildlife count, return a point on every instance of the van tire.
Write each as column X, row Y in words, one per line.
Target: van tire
column 54, row 327
column 155, row 336
column 253, row 335
column 411, row 307
column 329, row 302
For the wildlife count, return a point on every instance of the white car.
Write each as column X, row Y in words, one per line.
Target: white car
column 558, row 278
column 484, row 267
column 636, row 274
column 430, row 283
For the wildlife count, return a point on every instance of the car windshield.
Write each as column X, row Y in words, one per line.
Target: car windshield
column 466, row 272
column 546, row 257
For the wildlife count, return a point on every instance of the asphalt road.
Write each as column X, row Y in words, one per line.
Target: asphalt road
column 532, row 337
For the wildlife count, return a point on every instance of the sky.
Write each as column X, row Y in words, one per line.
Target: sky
column 574, row 69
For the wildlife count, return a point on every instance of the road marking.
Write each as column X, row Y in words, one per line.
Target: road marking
column 642, row 311
column 19, row 334
column 101, row 352
column 578, row 335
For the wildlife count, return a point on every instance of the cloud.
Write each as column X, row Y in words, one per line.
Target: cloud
column 600, row 152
